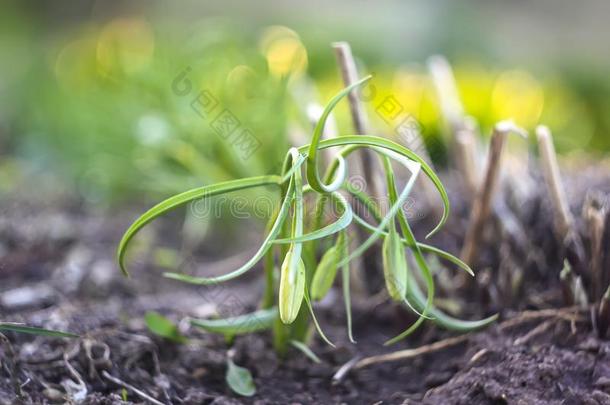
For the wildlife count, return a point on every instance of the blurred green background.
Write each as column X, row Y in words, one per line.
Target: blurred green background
column 92, row 101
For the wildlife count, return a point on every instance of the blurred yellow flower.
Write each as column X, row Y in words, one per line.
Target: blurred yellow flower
column 125, row 44
column 284, row 51
column 75, row 64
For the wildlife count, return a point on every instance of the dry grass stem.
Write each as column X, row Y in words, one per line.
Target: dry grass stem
column 356, row 363
column 550, row 169
column 369, row 166
column 463, row 129
column 467, row 159
column 594, row 213
column 571, row 314
column 349, row 73
column 482, row 202
column 537, row 331
column 411, row 353
column 446, row 88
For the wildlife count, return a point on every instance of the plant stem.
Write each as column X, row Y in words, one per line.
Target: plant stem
column 301, row 327
column 269, row 268
column 269, row 294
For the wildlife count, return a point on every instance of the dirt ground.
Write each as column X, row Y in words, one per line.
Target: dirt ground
column 58, row 271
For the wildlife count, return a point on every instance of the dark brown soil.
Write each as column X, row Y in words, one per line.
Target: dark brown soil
column 534, row 355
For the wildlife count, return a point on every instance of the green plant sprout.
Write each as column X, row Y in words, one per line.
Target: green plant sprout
column 298, row 235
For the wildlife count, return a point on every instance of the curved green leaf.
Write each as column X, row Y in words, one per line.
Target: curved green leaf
column 414, row 167
column 353, row 142
column 442, row 319
column 267, row 243
column 186, row 197
column 306, row 351
column 343, row 222
column 313, row 174
column 253, row 322
column 424, row 247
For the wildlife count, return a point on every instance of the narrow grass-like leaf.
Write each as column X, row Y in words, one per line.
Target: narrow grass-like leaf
column 248, row 323
column 306, row 351
column 445, row 255
column 347, row 301
column 440, row 318
column 161, row 326
column 313, row 174
column 21, row 328
column 240, row 379
column 315, row 320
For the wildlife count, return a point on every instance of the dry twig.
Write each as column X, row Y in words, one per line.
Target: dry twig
column 537, row 331
column 130, row 387
column 570, row 314
column 355, row 363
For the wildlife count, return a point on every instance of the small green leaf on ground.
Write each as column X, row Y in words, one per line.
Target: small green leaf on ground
column 239, row 379
column 161, row 326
